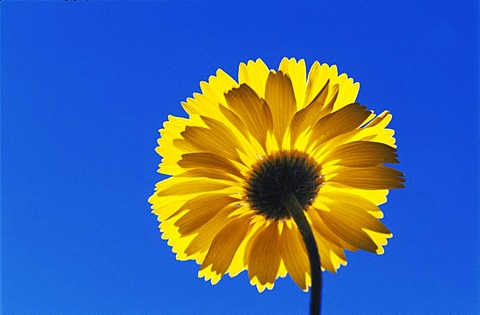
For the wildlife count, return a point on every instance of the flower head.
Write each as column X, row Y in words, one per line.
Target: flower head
column 245, row 145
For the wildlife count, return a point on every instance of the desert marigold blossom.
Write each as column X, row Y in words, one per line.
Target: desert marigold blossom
column 247, row 144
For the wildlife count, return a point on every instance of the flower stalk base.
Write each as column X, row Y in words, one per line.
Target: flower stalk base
column 298, row 215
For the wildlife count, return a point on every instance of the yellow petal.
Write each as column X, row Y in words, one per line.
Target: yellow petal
column 298, row 74
column 224, row 246
column 254, row 147
column 191, row 186
column 324, row 246
column 330, row 99
column 206, row 173
column 235, row 121
column 281, row 99
column 375, row 177
column 219, row 141
column 294, row 255
column 354, row 214
column 239, row 262
column 351, row 198
column 362, row 153
column 337, row 123
column 200, row 105
column 200, row 244
column 304, row 120
column 332, row 256
column 317, row 79
column 252, row 110
column 201, row 209
column 216, row 111
column 255, row 74
column 171, row 154
column 377, row 197
column 375, row 130
column 348, row 222
column 209, row 161
column 347, row 93
column 322, row 229
column 164, row 207
column 217, row 86
column 380, row 239
column 357, row 238
column 264, row 257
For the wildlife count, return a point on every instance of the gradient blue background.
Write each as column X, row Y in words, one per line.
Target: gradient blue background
column 86, row 86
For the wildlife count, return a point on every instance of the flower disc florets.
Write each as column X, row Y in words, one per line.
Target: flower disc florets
column 280, row 174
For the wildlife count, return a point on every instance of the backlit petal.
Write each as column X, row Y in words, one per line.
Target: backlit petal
column 281, row 100
column 304, row 120
column 200, row 210
column 219, row 141
column 264, row 257
column 210, row 161
column 254, row 74
column 298, row 75
column 362, row 153
column 294, row 255
column 200, row 244
column 375, row 177
column 348, row 230
column 337, row 123
column 252, row 110
column 221, row 252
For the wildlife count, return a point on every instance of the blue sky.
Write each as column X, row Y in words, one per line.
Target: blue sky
column 86, row 86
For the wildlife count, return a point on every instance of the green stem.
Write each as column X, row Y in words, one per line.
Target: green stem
column 297, row 212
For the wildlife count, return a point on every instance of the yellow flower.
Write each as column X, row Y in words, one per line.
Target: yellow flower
column 244, row 145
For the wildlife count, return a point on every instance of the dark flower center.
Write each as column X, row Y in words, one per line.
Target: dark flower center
column 280, row 174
